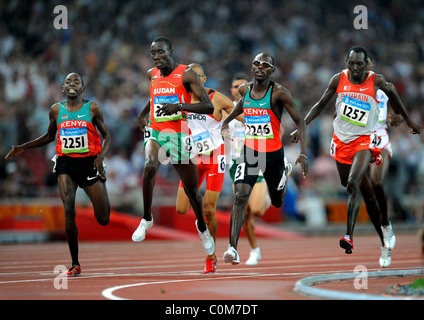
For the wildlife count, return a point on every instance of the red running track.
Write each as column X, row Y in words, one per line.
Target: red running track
column 173, row 270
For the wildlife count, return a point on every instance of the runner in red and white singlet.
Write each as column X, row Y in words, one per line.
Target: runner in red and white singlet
column 211, row 159
column 354, row 140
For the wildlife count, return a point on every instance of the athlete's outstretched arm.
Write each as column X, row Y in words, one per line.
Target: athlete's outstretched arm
column 225, row 104
column 237, row 111
column 98, row 120
column 142, row 121
column 318, row 107
column 46, row 138
column 142, row 116
column 284, row 99
column 324, row 100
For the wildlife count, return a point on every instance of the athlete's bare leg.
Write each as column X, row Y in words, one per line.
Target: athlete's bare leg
column 150, row 169
column 257, row 206
column 183, row 203
column 249, row 228
column 100, row 200
column 351, row 178
column 372, row 204
column 67, row 190
column 209, row 209
column 241, row 197
column 188, row 175
column 210, row 200
column 378, row 174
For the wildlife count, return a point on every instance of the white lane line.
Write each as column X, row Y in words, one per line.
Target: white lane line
column 109, row 292
column 109, row 272
column 305, row 286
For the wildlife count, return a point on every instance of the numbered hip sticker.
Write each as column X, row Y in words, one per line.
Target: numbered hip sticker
column 240, row 172
column 333, row 147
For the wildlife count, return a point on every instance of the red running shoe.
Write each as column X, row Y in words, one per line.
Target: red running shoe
column 74, row 271
column 347, row 244
column 210, row 266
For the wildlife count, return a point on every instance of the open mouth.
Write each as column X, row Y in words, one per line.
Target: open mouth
column 72, row 91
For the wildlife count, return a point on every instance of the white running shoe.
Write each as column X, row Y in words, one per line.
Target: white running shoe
column 388, row 237
column 386, row 257
column 231, row 255
column 140, row 233
column 207, row 241
column 255, row 256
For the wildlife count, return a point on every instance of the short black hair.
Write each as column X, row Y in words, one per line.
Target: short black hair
column 82, row 80
column 358, row 49
column 163, row 39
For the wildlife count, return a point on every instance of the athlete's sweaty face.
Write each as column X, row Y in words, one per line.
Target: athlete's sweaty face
column 357, row 65
column 73, row 86
column 262, row 67
column 161, row 54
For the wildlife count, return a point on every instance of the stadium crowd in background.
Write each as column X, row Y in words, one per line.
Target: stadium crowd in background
column 108, row 44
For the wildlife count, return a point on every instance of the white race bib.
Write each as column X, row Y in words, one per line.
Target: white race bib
column 74, row 140
column 355, row 111
column 203, row 142
column 161, row 100
column 258, row 127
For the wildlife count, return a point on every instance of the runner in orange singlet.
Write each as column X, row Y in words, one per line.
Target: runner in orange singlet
column 354, row 140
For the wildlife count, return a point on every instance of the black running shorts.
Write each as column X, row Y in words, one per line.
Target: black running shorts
column 81, row 170
column 270, row 163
